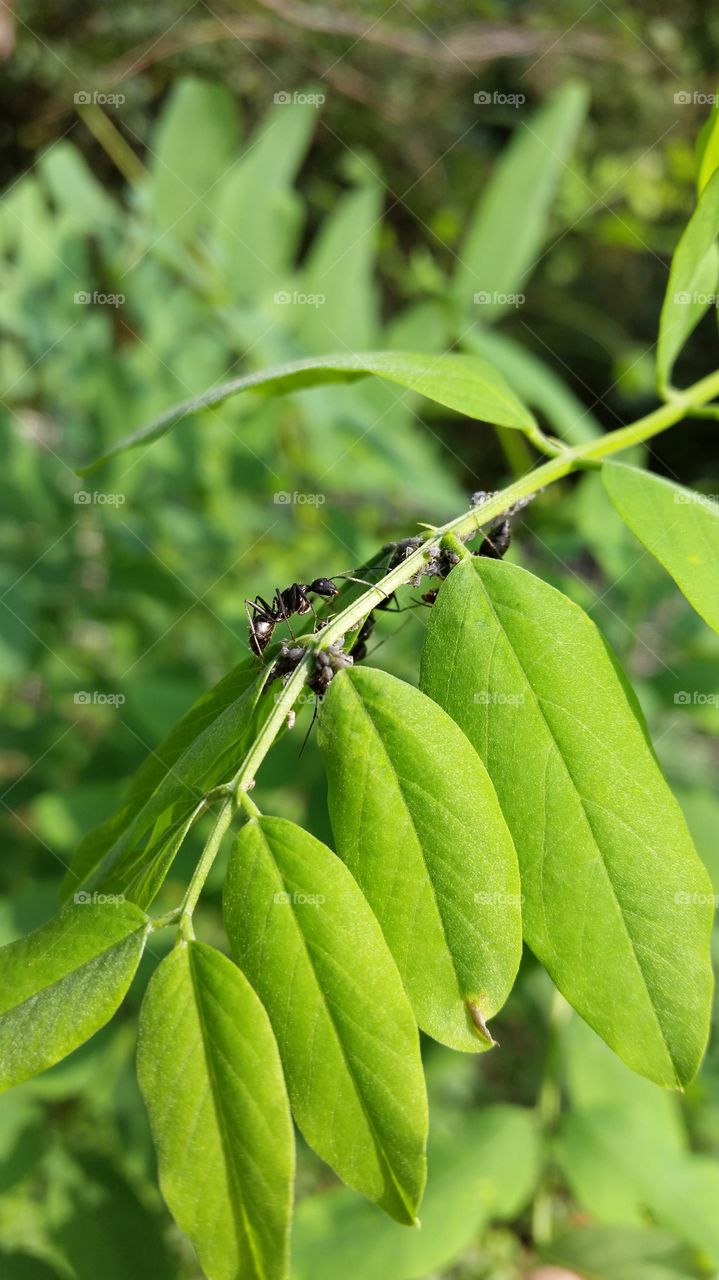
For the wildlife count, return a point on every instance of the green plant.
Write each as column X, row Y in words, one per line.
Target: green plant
column 518, row 788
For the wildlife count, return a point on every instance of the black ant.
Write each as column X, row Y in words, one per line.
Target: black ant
column 496, row 544
column 263, row 617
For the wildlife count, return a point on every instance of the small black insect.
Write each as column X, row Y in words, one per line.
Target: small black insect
column 328, row 662
column 497, row 541
column 263, row 617
column 358, row 650
column 288, row 658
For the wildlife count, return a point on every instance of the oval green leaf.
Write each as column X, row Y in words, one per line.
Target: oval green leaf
column 679, row 526
column 467, row 384
column 417, row 821
column 308, row 942
column 617, row 904
column 211, row 1078
column 64, row 981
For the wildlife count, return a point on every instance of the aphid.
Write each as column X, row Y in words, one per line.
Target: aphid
column 328, row 662
column 287, row 659
column 263, row 617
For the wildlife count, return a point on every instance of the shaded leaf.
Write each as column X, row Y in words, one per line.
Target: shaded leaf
column 692, row 285
column 416, row 820
column 211, row 1078
column 537, row 384
column 132, row 851
column 617, row 904
column 483, row 1169
column 621, row 1253
column 308, row 942
column 510, row 223
column 192, row 144
column 679, row 526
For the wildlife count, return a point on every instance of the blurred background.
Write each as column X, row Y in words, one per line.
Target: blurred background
column 193, row 191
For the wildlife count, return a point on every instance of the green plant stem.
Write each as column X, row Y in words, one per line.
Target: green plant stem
column 563, row 462
column 202, row 870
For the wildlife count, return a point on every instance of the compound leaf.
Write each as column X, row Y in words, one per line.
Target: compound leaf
column 617, row 904
column 211, row 1078
column 63, row 982
column 417, row 821
column 345, row 1028
column 679, row 526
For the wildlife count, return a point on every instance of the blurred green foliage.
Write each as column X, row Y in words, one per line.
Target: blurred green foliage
column 215, row 243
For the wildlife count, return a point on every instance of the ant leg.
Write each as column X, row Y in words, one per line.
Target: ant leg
column 312, row 721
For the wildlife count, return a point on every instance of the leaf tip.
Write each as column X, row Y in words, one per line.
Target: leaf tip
column 480, row 1023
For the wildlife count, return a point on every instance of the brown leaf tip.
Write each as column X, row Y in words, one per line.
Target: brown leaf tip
column 477, row 1017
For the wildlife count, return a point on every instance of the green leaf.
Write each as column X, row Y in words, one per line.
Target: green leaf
column 132, row 851
column 482, row 1169
column 538, row 385
column 618, row 1170
column 510, row 224
column 464, row 383
column 211, row 1078
column 692, row 285
column 308, row 942
column 63, row 982
column 192, row 145
column 617, row 905
column 707, row 149
column 338, row 272
column 259, row 214
column 621, row 1253
column 417, row 822
column 679, row 526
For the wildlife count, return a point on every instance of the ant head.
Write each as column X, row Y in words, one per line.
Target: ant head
column 323, row 587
